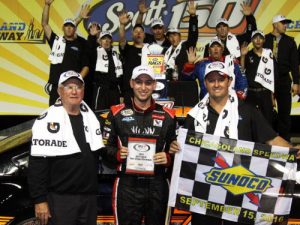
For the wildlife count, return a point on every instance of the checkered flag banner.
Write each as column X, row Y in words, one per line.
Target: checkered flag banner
column 235, row 180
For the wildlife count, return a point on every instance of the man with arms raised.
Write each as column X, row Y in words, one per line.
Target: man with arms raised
column 68, row 52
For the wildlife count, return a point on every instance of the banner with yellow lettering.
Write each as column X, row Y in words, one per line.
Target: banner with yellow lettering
column 234, row 180
column 24, row 64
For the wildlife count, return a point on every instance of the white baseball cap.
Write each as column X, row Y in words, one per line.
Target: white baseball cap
column 217, row 66
column 68, row 75
column 105, row 33
column 215, row 40
column 157, row 22
column 69, row 21
column 172, row 30
column 281, row 18
column 258, row 32
column 142, row 69
column 94, row 23
column 222, row 20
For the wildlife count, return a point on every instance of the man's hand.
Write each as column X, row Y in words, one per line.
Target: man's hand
column 246, row 9
column 94, row 30
column 244, row 49
column 191, row 8
column 123, row 152
column 84, row 11
column 124, row 18
column 174, row 147
column 160, row 158
column 48, row 2
column 191, row 53
column 295, row 89
column 42, row 212
column 142, row 7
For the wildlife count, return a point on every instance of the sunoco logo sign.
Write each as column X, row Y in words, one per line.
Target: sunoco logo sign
column 172, row 13
column 238, row 180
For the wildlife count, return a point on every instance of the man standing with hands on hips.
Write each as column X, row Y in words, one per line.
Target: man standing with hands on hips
column 137, row 137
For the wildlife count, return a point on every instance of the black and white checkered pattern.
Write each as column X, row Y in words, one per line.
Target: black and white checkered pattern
column 190, row 191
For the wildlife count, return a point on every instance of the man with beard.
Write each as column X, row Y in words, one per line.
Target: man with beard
column 285, row 52
column 196, row 70
column 68, row 52
column 137, row 136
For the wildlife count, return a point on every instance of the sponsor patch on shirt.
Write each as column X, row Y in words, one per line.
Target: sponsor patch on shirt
column 127, row 112
column 157, row 123
column 128, row 119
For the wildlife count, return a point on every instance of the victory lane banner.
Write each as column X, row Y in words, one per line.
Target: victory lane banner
column 235, row 180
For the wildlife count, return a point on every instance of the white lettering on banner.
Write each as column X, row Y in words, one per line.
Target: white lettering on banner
column 146, row 130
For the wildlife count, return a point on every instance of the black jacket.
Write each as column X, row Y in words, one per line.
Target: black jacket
column 287, row 60
column 182, row 58
column 126, row 121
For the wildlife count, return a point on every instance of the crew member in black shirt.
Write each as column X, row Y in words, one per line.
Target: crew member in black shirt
column 157, row 28
column 247, row 124
column 222, row 29
column 259, row 96
column 285, row 52
column 131, row 54
column 68, row 52
column 107, row 75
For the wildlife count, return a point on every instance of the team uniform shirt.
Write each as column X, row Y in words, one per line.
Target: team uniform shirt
column 246, row 37
column 138, row 195
column 191, row 41
column 252, row 126
column 75, row 57
column 126, row 121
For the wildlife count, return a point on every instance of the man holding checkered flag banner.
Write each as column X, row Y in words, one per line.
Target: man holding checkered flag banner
column 222, row 179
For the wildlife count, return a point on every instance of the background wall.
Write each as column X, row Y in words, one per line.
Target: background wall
column 24, row 64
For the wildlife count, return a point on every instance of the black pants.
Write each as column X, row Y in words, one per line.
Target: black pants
column 104, row 97
column 135, row 198
column 284, row 103
column 262, row 100
column 72, row 209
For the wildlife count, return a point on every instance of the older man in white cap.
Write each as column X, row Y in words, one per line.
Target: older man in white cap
column 232, row 42
column 63, row 161
column 137, row 137
column 68, row 52
column 220, row 113
column 285, row 53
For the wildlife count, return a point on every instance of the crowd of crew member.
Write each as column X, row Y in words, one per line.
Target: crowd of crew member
column 260, row 76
